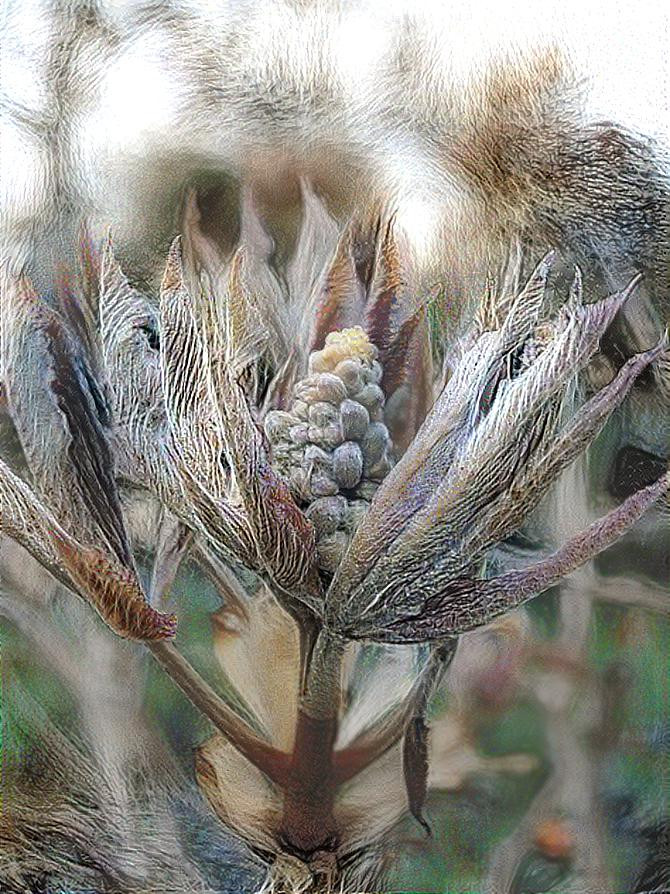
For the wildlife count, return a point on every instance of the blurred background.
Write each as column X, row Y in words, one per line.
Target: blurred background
column 551, row 735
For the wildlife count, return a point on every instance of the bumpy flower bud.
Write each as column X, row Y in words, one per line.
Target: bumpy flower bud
column 348, row 465
column 354, row 419
column 332, row 445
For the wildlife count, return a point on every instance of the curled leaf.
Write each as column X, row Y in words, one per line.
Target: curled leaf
column 112, row 588
column 415, row 768
column 475, row 470
column 62, row 416
column 90, row 459
column 464, row 604
column 284, row 537
column 115, row 593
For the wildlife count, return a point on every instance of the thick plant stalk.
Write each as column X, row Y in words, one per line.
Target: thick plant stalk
column 308, row 823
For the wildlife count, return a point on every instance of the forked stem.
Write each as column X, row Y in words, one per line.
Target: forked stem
column 379, row 738
column 270, row 760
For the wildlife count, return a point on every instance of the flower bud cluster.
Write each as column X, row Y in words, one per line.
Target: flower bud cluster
column 332, row 447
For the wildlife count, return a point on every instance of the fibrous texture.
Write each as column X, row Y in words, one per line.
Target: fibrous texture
column 344, row 476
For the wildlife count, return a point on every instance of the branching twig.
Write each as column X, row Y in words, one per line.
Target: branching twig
column 387, row 731
column 271, row 761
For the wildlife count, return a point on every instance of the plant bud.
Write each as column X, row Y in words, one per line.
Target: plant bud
column 315, row 435
column 315, row 456
column 375, row 443
column 371, row 396
column 343, row 344
column 322, row 414
column 351, row 373
column 372, row 375
column 348, row 465
column 321, row 485
column 299, row 434
column 379, row 470
column 332, row 435
column 333, row 442
column 277, row 425
column 353, row 342
column 284, row 455
column 306, row 390
column 354, row 419
column 299, row 483
column 367, row 489
column 300, row 410
column 318, row 363
column 331, row 388
column 356, row 512
column 326, row 514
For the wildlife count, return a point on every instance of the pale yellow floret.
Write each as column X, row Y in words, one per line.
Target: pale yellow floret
column 344, row 344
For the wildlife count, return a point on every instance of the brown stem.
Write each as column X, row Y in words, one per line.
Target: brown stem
column 377, row 739
column 269, row 760
column 308, row 625
column 308, row 823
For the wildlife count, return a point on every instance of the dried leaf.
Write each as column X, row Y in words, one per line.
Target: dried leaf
column 339, row 301
column 62, row 417
column 383, row 304
column 418, row 475
column 235, row 497
column 417, row 387
column 315, row 246
column 446, row 428
column 130, row 339
column 415, row 768
column 464, row 604
column 84, row 413
column 284, row 538
column 101, row 580
column 427, row 516
column 394, row 356
column 188, row 388
column 115, row 593
column 542, row 470
column 146, row 450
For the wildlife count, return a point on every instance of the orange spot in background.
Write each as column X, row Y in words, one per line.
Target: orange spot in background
column 554, row 838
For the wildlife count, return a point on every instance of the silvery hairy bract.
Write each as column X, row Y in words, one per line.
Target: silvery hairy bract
column 332, row 336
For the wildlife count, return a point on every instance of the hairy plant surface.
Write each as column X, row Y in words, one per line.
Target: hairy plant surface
column 356, row 487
